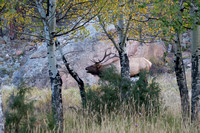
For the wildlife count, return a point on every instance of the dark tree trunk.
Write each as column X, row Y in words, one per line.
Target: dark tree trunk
column 124, row 62
column 125, row 72
column 12, row 29
column 181, row 81
column 1, row 113
column 74, row 75
column 195, row 75
column 78, row 80
column 195, row 89
column 1, row 30
column 57, row 106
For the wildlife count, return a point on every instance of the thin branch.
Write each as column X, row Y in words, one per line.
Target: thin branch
column 40, row 37
column 75, row 28
column 108, row 35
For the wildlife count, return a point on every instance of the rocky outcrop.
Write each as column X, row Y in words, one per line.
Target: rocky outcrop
column 148, row 50
column 23, row 61
column 35, row 71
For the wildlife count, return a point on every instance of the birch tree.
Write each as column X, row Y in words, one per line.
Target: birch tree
column 43, row 15
column 195, row 74
column 55, row 79
column 2, row 125
column 180, row 69
column 195, row 63
column 175, row 19
column 124, row 15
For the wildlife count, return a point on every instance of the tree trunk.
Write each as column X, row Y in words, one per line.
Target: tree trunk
column 74, row 75
column 195, row 74
column 124, row 61
column 12, row 29
column 56, row 84
column 55, row 79
column 121, row 47
column 1, row 114
column 1, row 30
column 181, row 79
column 125, row 74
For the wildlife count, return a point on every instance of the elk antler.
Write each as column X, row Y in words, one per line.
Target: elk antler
column 105, row 55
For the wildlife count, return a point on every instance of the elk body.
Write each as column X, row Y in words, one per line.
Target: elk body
column 137, row 64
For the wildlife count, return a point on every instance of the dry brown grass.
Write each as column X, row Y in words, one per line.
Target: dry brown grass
column 168, row 121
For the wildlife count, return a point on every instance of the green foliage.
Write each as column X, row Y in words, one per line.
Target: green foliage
column 147, row 95
column 106, row 98
column 51, row 121
column 19, row 115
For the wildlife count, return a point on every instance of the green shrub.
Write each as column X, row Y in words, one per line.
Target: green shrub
column 106, row 98
column 19, row 114
column 51, row 121
column 146, row 95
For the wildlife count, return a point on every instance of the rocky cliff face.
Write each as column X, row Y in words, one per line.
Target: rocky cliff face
column 30, row 65
column 25, row 61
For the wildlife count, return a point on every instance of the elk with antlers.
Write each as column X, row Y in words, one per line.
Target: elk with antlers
column 137, row 64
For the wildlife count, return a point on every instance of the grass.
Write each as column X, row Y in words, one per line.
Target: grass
column 168, row 121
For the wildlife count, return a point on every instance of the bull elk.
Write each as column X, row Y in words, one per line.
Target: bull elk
column 137, row 64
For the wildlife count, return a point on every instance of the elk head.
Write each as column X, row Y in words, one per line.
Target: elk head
column 96, row 68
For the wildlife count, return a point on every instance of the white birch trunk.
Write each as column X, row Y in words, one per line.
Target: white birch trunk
column 56, row 82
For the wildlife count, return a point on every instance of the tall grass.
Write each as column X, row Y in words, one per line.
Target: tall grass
column 77, row 120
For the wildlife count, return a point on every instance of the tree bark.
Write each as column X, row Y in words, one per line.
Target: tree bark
column 56, row 81
column 121, row 46
column 74, row 75
column 125, row 72
column 1, row 30
column 124, row 61
column 181, row 79
column 1, row 114
column 195, row 75
column 49, row 22
column 12, row 29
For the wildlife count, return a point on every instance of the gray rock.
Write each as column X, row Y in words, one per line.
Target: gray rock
column 17, row 77
column 16, row 65
column 32, row 67
column 34, row 73
column 40, row 53
column 7, row 39
column 1, row 59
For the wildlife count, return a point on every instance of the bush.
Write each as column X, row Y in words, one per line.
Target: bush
column 106, row 98
column 146, row 95
column 19, row 114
